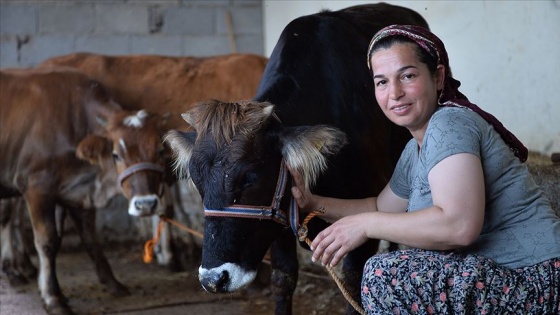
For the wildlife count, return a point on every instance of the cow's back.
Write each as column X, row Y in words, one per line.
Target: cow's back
column 43, row 115
column 317, row 74
column 166, row 84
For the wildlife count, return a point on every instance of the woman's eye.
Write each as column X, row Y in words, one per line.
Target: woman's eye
column 380, row 83
column 408, row 76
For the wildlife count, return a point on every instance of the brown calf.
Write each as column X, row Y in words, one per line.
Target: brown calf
column 59, row 129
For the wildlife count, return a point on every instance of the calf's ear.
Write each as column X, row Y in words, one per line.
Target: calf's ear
column 94, row 149
column 181, row 144
column 306, row 148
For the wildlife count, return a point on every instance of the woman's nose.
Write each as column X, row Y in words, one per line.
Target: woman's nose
column 395, row 91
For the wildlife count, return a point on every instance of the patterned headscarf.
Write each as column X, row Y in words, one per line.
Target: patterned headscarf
column 450, row 95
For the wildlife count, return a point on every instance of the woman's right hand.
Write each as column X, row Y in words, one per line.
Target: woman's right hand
column 306, row 201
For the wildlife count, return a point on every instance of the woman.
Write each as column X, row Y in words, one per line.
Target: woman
column 484, row 239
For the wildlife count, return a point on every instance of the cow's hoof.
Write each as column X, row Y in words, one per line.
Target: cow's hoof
column 17, row 280
column 117, row 290
column 59, row 309
column 29, row 271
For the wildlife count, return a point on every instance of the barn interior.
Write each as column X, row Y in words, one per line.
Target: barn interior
column 504, row 52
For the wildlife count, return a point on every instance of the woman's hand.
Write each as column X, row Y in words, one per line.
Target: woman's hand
column 333, row 243
column 306, row 201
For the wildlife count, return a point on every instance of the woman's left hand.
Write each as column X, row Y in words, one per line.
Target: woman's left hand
column 334, row 242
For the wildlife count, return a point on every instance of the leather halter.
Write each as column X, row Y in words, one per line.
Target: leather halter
column 139, row 167
column 272, row 212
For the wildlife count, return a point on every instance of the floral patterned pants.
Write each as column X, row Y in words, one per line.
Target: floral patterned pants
column 428, row 282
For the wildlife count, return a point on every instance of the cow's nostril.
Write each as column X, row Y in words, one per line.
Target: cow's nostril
column 222, row 281
column 146, row 204
column 215, row 281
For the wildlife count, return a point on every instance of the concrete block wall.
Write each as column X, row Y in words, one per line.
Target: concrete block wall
column 34, row 30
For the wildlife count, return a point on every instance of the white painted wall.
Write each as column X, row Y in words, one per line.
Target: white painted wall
column 505, row 53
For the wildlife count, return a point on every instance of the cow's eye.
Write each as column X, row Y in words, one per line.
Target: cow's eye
column 250, row 179
column 116, row 157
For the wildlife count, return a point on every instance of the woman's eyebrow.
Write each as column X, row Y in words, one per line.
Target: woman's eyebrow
column 377, row 76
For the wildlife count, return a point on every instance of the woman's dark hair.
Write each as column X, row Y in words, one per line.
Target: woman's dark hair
column 427, row 58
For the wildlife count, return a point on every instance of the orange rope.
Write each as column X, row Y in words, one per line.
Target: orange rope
column 302, row 234
column 150, row 244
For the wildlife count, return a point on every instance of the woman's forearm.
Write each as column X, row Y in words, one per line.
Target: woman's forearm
column 335, row 209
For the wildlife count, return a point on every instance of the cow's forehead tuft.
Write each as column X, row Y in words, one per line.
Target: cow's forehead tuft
column 122, row 144
column 135, row 121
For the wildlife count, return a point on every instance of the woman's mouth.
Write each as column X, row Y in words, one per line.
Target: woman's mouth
column 400, row 108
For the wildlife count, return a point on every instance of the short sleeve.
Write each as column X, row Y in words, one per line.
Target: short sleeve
column 400, row 180
column 451, row 130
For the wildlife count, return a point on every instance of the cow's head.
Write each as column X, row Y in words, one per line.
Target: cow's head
column 132, row 145
column 234, row 158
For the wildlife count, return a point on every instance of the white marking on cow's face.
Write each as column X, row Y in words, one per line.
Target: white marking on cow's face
column 237, row 277
column 145, row 205
column 136, row 121
column 122, row 144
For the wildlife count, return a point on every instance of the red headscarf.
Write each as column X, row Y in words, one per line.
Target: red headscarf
column 450, row 95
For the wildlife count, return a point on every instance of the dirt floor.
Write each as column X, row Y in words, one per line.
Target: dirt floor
column 155, row 290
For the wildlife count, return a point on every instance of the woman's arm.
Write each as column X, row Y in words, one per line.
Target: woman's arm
column 337, row 208
column 455, row 220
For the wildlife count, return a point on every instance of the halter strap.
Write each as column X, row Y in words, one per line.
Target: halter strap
column 139, row 167
column 272, row 212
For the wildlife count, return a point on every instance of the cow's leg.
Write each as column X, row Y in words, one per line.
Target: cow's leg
column 84, row 219
column 284, row 262
column 353, row 268
column 23, row 255
column 16, row 262
column 42, row 213
column 8, row 241
column 164, row 250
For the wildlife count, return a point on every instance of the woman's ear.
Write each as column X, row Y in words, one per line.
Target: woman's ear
column 440, row 76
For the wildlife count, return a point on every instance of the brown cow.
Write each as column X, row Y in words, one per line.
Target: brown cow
column 58, row 131
column 169, row 85
column 165, row 84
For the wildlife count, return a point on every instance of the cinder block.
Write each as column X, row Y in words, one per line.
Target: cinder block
column 120, row 19
column 157, row 44
column 188, row 21
column 104, row 44
column 17, row 19
column 247, row 2
column 40, row 48
column 206, row 45
column 245, row 20
column 8, row 52
column 64, row 18
column 206, row 2
column 252, row 44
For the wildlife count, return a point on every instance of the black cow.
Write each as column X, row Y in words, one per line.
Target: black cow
column 315, row 111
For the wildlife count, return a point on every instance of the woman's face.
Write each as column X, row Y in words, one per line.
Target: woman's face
column 404, row 87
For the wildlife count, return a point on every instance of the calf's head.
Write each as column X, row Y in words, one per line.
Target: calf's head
column 234, row 158
column 131, row 153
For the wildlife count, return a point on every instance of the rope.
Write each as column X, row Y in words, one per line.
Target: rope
column 150, row 244
column 302, row 235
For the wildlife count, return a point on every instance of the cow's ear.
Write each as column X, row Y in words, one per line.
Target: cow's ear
column 305, row 148
column 101, row 120
column 189, row 118
column 94, row 148
column 181, row 144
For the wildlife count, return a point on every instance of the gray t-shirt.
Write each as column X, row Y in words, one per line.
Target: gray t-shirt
column 520, row 228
